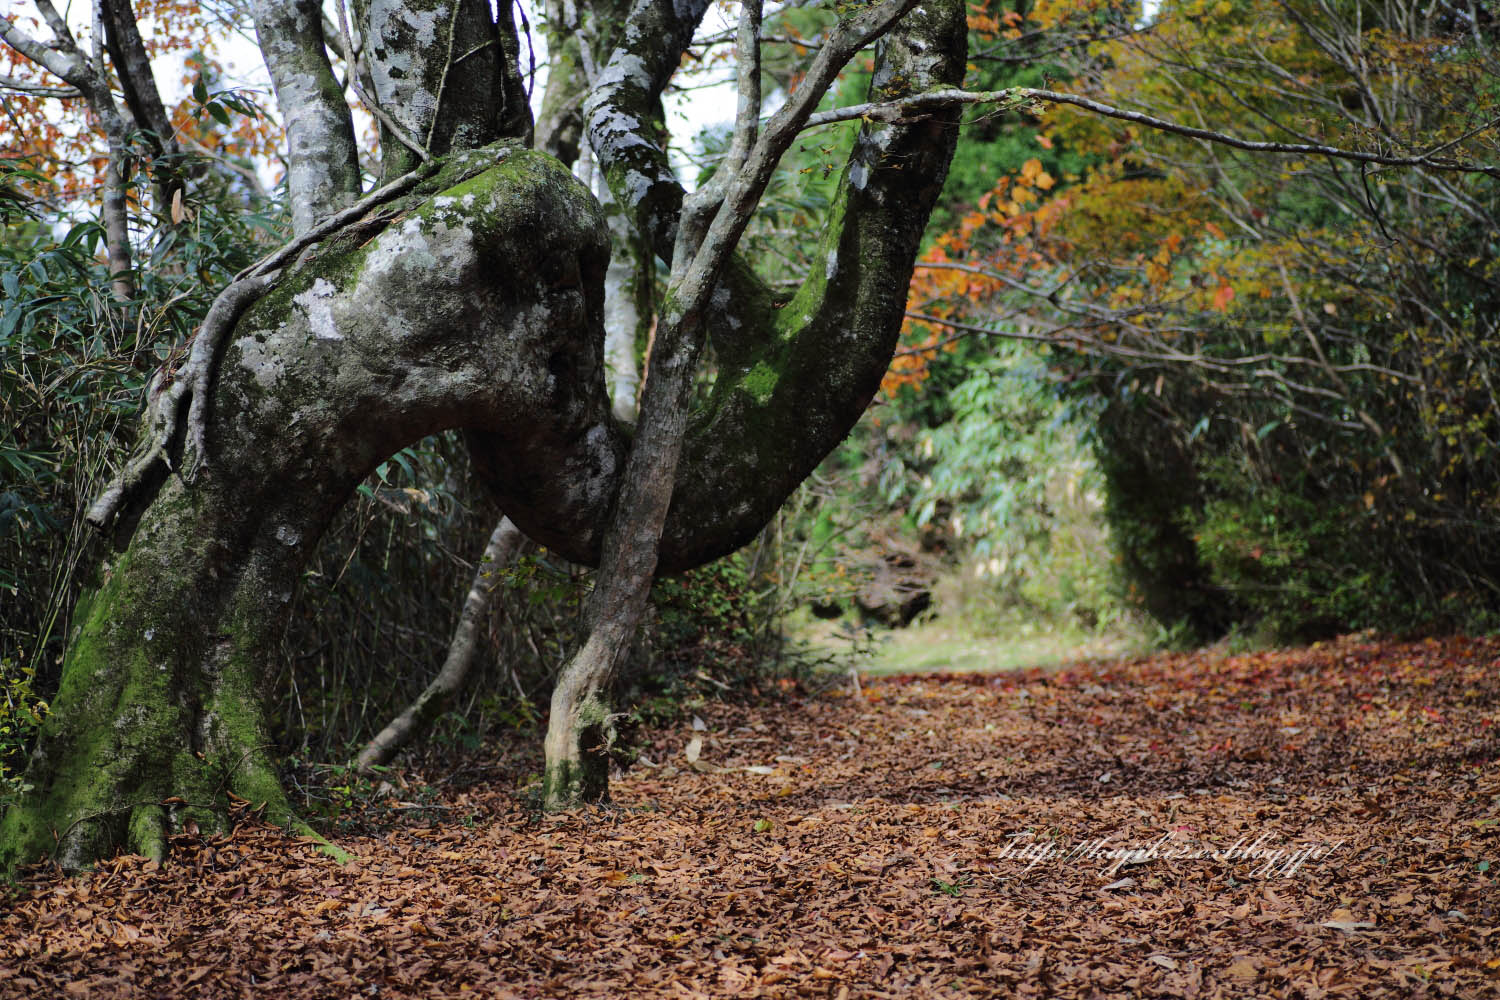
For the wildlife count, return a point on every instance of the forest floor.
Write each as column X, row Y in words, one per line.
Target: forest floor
column 939, row 836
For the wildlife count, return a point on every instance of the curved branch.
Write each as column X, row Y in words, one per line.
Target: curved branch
column 808, row 369
column 435, row 699
column 134, row 487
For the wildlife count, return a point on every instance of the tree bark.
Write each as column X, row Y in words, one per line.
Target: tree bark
column 373, row 343
column 474, row 302
column 792, row 380
column 580, row 729
column 323, row 163
column 627, row 308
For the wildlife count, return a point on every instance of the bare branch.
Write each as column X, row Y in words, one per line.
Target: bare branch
column 1015, row 97
column 505, row 541
column 59, row 26
column 1117, row 317
column 65, row 64
column 39, row 89
column 744, row 190
column 747, row 112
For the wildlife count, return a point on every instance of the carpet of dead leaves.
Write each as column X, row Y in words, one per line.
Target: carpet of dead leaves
column 935, row 836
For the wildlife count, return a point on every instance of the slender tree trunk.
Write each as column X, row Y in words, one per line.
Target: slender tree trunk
column 580, row 727
column 627, row 306
column 436, row 699
column 116, row 216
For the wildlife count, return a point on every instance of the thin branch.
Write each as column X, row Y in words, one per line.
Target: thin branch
column 747, row 112
column 39, row 89
column 337, row 221
column 437, row 109
column 1095, row 348
column 1123, row 318
column 1014, row 97
column 352, row 60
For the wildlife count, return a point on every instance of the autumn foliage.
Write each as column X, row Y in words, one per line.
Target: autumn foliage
column 1313, row 337
column 59, row 140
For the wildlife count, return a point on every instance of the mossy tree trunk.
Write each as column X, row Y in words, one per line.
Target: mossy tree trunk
column 474, row 301
column 369, row 346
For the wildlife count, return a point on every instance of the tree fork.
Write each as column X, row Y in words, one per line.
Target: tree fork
column 579, row 730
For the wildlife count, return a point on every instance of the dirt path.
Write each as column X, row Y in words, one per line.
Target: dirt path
column 868, row 847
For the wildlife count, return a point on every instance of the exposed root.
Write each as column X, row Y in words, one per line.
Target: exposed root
column 130, row 492
column 133, row 489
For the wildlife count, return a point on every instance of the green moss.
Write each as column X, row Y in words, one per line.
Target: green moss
column 810, row 298
column 502, row 192
column 570, row 783
column 592, row 712
column 760, row 382
column 148, row 831
column 122, row 733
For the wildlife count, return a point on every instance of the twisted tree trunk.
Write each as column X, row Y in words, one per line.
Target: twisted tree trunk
column 367, row 347
column 474, row 301
column 796, row 379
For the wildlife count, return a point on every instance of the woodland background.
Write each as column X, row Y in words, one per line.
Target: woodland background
column 1151, row 389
